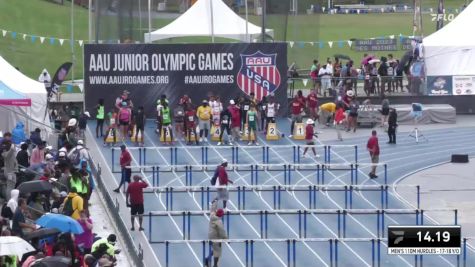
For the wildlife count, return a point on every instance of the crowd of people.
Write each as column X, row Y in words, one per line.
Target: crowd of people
column 61, row 184
column 379, row 76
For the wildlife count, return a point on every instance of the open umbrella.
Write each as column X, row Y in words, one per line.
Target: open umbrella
column 365, row 60
column 52, row 261
column 61, row 222
column 41, row 233
column 14, row 245
column 35, row 186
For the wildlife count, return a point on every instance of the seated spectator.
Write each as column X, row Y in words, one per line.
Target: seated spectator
column 18, row 134
column 19, row 225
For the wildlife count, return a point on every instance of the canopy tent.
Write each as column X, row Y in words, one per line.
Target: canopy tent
column 451, row 50
column 21, row 99
column 208, row 18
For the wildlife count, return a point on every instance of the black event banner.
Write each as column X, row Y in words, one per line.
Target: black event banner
column 149, row 70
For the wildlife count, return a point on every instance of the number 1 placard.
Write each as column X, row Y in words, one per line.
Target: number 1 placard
column 299, row 131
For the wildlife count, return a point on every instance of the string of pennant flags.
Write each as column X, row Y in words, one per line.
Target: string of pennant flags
column 292, row 44
column 355, row 10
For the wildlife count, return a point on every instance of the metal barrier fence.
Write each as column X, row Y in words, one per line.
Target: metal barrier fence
column 302, row 218
column 311, row 190
column 174, row 152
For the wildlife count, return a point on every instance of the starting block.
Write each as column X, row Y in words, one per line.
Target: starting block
column 272, row 132
column 299, row 131
column 215, row 132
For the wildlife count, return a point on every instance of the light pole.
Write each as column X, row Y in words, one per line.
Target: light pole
column 71, row 43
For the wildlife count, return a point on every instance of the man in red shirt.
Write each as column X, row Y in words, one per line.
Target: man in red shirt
column 235, row 120
column 223, row 180
column 373, row 148
column 312, row 104
column 135, row 195
column 296, row 108
column 125, row 160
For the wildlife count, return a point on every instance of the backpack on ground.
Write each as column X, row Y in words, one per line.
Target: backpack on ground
column 75, row 157
column 6, row 211
column 215, row 176
column 68, row 207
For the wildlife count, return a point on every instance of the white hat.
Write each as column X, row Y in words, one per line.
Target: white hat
column 48, row 156
column 49, row 148
column 350, row 93
column 224, row 161
column 231, row 102
column 87, row 114
column 310, row 121
column 72, row 122
column 63, row 194
column 62, row 154
column 80, row 142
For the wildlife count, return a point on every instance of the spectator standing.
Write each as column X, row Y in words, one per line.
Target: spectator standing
column 392, row 126
column 222, row 182
column 134, row 199
column 140, row 126
column 353, row 115
column 225, row 118
column 374, row 79
column 78, row 153
column 84, row 240
column 18, row 133
column 22, row 156
column 383, row 73
column 314, row 75
column 309, row 134
column 216, row 231
column 204, row 120
column 384, row 112
column 325, row 76
column 373, row 149
column 19, row 224
column 100, row 118
column 79, row 183
column 38, row 156
column 124, row 98
column 235, row 120
column 82, row 123
column 296, row 110
column 35, row 136
column 398, row 72
column 75, row 205
column 12, row 203
column 125, row 161
column 10, row 166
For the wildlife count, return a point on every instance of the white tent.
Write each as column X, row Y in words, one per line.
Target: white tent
column 451, row 50
column 208, row 18
column 21, row 100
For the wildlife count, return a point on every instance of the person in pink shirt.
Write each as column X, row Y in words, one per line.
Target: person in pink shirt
column 85, row 239
column 37, row 156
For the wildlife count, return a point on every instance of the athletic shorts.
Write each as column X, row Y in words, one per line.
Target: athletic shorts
column 310, row 143
column 223, row 194
column 136, row 209
column 204, row 125
column 251, row 126
column 296, row 118
column 124, row 123
column 375, row 159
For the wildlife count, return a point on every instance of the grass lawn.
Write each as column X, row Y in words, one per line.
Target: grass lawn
column 42, row 18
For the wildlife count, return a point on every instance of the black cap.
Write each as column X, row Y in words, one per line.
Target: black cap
column 122, row 147
column 112, row 238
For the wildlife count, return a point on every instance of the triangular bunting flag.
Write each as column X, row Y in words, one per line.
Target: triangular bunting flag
column 347, row 11
column 61, row 41
column 304, row 81
column 42, row 39
column 291, row 43
column 310, row 43
column 340, row 44
column 4, row 33
column 330, row 44
column 320, row 45
column 51, row 41
column 13, row 35
column 431, row 10
column 80, row 42
column 382, row 10
column 391, row 36
column 301, row 44
column 405, row 7
column 358, row 11
column 350, row 43
column 33, row 38
column 100, row 41
column 323, row 9
column 24, row 36
column 394, row 8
